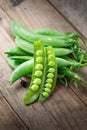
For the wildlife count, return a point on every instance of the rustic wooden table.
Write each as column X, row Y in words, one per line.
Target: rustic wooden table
column 66, row 109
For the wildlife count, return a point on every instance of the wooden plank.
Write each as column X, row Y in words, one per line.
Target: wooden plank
column 37, row 116
column 2, row 2
column 8, row 119
column 67, row 108
column 75, row 12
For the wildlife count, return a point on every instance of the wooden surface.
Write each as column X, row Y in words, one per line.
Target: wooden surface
column 75, row 12
column 8, row 119
column 66, row 108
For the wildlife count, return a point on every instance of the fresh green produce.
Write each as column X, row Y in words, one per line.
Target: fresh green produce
column 39, row 87
column 13, row 63
column 65, row 72
column 20, row 30
column 37, row 75
column 21, row 58
column 28, row 47
column 48, row 32
column 34, row 54
column 22, row 70
column 16, row 51
column 27, row 67
column 49, row 76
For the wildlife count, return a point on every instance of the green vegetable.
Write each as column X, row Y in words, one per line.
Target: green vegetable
column 73, row 75
column 13, row 63
column 51, row 32
column 28, row 47
column 48, row 32
column 20, row 30
column 45, row 92
column 43, row 67
column 16, row 51
column 27, row 67
column 22, row 70
column 24, row 45
column 21, row 58
column 34, row 87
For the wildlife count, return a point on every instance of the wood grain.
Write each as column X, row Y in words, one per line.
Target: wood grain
column 64, row 110
column 8, row 119
column 74, row 11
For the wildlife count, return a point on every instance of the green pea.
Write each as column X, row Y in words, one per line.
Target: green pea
column 49, row 52
column 39, row 53
column 48, row 85
column 49, row 80
column 45, row 94
column 39, row 59
column 39, row 67
column 50, row 57
column 51, row 63
column 38, row 73
column 34, row 87
column 37, row 81
column 48, row 90
column 50, row 75
column 52, row 70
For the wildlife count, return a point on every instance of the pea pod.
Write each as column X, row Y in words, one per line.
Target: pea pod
column 21, row 58
column 52, row 32
column 48, row 32
column 49, row 75
column 13, row 63
column 20, row 30
column 28, row 47
column 16, row 51
column 23, row 70
column 27, row 67
column 37, row 75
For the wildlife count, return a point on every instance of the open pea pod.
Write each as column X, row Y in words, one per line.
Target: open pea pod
column 37, row 75
column 49, row 75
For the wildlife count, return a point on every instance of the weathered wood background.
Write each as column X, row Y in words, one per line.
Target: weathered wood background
column 66, row 109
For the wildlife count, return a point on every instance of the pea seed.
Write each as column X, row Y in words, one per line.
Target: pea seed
column 52, row 70
column 51, row 63
column 34, row 87
column 50, row 75
column 48, row 90
column 37, row 81
column 38, row 73
column 49, row 80
column 39, row 53
column 39, row 59
column 50, row 57
column 45, row 94
column 39, row 67
column 48, row 85
column 49, row 52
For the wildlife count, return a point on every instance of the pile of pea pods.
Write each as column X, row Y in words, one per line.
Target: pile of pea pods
column 47, row 56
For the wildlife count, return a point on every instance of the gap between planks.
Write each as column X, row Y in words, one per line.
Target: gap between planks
column 8, row 118
column 10, row 106
column 68, row 17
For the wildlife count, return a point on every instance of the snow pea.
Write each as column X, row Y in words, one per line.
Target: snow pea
column 49, row 75
column 27, row 67
column 20, row 30
column 28, row 47
column 16, row 51
column 37, row 75
column 48, row 32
